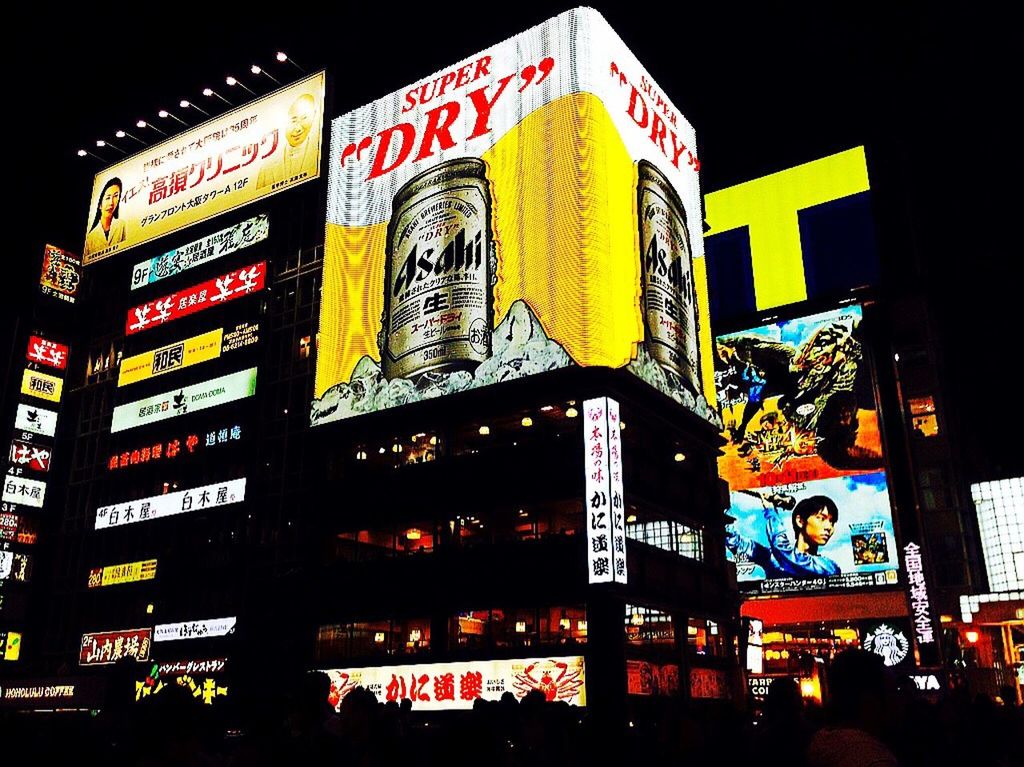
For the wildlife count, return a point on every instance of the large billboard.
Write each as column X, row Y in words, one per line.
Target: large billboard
column 810, row 536
column 263, row 147
column 182, row 354
column 450, row 686
column 797, row 401
column 171, row 504
column 532, row 207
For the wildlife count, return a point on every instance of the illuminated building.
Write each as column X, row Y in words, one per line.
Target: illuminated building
column 534, row 496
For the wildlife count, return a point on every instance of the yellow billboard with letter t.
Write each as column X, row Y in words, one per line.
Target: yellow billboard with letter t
column 249, row 153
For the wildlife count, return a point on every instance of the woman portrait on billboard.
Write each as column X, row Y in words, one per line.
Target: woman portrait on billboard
column 107, row 227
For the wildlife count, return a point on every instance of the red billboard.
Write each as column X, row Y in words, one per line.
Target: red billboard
column 107, row 647
column 47, row 352
column 219, row 290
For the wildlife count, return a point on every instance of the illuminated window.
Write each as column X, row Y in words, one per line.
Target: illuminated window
column 646, row 625
column 667, row 535
column 1000, row 507
column 922, row 416
column 304, row 348
column 705, row 637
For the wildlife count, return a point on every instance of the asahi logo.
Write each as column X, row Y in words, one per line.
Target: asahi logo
column 457, row 256
column 659, row 262
column 889, row 643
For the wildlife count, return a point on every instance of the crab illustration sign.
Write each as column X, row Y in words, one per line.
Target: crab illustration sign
column 450, row 686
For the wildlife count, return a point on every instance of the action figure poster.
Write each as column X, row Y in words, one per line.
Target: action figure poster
column 797, row 402
column 827, row 534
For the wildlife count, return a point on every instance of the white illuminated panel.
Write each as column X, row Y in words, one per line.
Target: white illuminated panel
column 1000, row 507
column 603, row 493
column 170, row 504
column 214, row 627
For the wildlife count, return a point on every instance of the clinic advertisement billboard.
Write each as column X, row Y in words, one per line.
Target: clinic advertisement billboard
column 798, row 401
column 827, row 534
column 187, row 399
column 196, row 253
column 532, row 207
column 264, row 147
column 457, row 686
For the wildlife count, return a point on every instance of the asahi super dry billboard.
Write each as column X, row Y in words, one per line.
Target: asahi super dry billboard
column 532, row 207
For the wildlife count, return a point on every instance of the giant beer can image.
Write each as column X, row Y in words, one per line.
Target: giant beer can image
column 439, row 273
column 668, row 298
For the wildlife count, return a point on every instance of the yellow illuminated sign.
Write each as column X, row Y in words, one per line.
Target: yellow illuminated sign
column 129, row 572
column 533, row 207
column 768, row 207
column 249, row 153
column 41, row 385
column 12, row 646
column 172, row 357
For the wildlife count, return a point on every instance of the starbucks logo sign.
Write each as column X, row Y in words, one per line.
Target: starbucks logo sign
column 888, row 642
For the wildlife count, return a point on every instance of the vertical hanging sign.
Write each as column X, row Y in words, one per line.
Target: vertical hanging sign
column 602, row 460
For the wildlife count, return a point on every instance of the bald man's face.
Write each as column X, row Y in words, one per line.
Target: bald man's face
column 300, row 120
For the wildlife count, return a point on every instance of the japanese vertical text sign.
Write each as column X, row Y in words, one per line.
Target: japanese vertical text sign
column 249, row 153
column 602, row 464
column 532, row 207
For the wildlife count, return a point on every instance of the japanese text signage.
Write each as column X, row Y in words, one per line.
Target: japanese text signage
column 41, row 385
column 62, row 272
column 227, row 287
column 215, row 627
column 37, row 420
column 188, row 399
column 170, row 504
column 216, row 245
column 46, row 352
column 263, row 147
column 920, row 606
column 603, row 498
column 129, row 572
column 24, row 492
column 467, row 244
column 183, row 354
column 15, row 567
column 166, row 450
column 450, row 686
column 111, row 646
column 30, row 456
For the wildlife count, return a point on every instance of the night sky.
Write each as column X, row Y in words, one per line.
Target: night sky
column 929, row 96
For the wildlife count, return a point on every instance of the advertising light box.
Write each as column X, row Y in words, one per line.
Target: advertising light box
column 47, row 352
column 30, row 456
column 171, row 504
column 106, row 647
column 23, row 491
column 182, row 354
column 37, row 420
column 187, row 399
column 264, row 147
column 235, row 284
column 451, row 686
column 828, row 534
column 129, row 572
column 216, row 245
column 798, row 402
column 41, row 385
column 532, row 207
column 61, row 275
column 214, row 627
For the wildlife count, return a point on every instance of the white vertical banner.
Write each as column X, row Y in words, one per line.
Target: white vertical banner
column 597, row 495
column 618, row 501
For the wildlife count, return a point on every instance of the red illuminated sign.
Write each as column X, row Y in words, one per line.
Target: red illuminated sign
column 47, row 352
column 159, row 451
column 111, row 646
column 32, row 456
column 227, row 287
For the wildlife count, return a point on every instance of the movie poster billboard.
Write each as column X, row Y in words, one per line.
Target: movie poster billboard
column 532, row 207
column 810, row 536
column 264, row 147
column 797, row 402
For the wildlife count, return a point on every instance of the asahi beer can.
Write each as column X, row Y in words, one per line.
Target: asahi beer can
column 669, row 301
column 440, row 272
